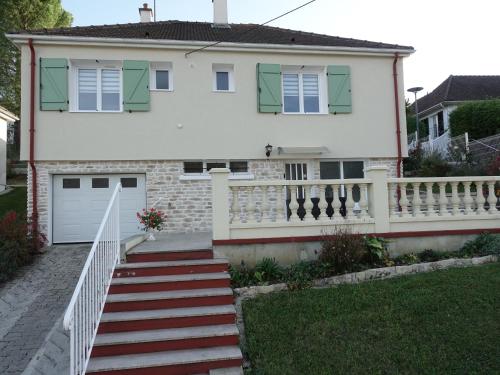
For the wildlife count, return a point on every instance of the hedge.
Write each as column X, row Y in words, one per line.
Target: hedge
column 480, row 119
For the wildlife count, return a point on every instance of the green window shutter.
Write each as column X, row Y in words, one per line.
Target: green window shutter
column 135, row 85
column 339, row 89
column 269, row 88
column 53, row 84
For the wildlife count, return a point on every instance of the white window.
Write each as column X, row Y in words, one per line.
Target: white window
column 223, row 77
column 198, row 170
column 304, row 90
column 97, row 87
column 161, row 76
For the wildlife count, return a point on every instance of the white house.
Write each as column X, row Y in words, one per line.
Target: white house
column 155, row 105
column 6, row 119
column 435, row 107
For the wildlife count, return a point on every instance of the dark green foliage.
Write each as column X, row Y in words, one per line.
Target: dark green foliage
column 430, row 256
column 17, row 244
column 444, row 322
column 411, row 126
column 484, row 244
column 376, row 250
column 480, row 119
column 343, row 249
column 267, row 270
column 241, row 276
column 434, row 165
column 300, row 275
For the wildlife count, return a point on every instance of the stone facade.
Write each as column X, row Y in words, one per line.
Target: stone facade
column 186, row 202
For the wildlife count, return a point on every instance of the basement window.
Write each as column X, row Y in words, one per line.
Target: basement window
column 199, row 170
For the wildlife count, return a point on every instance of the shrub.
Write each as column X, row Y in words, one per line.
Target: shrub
column 18, row 244
column 430, row 256
column 300, row 275
column 480, row 119
column 240, row 277
column 433, row 165
column 267, row 270
column 413, row 162
column 484, row 244
column 376, row 250
column 343, row 249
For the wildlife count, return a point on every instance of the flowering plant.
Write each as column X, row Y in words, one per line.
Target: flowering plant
column 151, row 219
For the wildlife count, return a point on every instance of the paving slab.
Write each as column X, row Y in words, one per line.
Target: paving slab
column 31, row 306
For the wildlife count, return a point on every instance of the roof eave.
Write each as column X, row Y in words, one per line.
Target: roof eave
column 7, row 115
column 183, row 44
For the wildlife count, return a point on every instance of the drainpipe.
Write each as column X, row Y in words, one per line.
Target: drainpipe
column 34, row 198
column 396, row 107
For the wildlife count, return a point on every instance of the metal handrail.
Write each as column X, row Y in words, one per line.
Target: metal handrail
column 87, row 303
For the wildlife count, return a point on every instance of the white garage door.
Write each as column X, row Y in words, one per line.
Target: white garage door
column 80, row 202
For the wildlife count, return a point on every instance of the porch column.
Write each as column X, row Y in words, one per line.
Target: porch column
column 220, row 203
column 379, row 197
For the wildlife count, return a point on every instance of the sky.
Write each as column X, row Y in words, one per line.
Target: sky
column 450, row 36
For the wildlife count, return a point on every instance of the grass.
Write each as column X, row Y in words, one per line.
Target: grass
column 14, row 200
column 445, row 322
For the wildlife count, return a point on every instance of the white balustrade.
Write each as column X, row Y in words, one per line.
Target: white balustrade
column 456, row 197
column 376, row 204
column 307, row 201
column 87, row 303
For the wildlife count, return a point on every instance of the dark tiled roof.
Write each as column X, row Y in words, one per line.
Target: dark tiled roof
column 462, row 88
column 204, row 31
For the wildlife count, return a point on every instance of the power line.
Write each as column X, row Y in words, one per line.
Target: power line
column 253, row 28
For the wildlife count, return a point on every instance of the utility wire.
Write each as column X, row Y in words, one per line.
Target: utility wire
column 253, row 28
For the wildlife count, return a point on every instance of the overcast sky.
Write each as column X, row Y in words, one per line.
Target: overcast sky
column 450, row 36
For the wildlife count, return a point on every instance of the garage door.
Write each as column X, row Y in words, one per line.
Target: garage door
column 80, row 201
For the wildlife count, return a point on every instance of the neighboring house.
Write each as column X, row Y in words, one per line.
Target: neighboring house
column 155, row 106
column 6, row 120
column 435, row 108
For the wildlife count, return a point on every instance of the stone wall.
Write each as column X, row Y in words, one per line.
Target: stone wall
column 186, row 202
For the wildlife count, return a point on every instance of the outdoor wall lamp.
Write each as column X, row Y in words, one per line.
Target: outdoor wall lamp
column 269, row 149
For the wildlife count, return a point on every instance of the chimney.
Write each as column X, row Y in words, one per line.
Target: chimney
column 220, row 13
column 146, row 13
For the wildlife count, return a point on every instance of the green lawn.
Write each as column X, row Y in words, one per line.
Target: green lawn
column 445, row 322
column 14, row 200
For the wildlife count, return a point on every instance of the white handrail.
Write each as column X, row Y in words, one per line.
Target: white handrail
column 87, row 303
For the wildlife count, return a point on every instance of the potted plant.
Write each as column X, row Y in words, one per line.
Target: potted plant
column 151, row 220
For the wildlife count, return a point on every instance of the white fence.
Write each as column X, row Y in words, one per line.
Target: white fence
column 376, row 204
column 85, row 308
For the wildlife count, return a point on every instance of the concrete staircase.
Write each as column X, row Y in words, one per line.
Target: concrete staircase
column 168, row 312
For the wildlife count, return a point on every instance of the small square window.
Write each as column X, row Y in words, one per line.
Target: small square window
column 162, row 78
column 222, row 81
column 71, row 183
column 128, row 182
column 100, row 183
column 216, row 165
column 238, row 166
column 193, row 167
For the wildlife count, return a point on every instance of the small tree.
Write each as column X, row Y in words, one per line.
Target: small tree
column 480, row 119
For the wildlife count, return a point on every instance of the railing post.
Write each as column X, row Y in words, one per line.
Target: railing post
column 220, row 203
column 379, row 197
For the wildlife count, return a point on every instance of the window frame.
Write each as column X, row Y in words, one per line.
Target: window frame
column 161, row 66
column 99, row 66
column 223, row 68
column 341, row 163
column 205, row 175
column 322, row 88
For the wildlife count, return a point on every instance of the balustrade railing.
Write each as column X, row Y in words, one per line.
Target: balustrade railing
column 281, row 201
column 444, row 196
column 85, row 308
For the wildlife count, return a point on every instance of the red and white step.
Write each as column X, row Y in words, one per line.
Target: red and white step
column 168, row 312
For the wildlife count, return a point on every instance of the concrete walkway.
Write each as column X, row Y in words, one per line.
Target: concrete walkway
column 175, row 241
column 31, row 309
